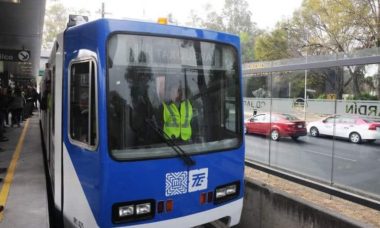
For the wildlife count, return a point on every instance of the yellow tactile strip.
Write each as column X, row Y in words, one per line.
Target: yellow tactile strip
column 11, row 170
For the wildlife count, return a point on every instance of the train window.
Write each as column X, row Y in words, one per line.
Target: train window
column 83, row 117
column 152, row 78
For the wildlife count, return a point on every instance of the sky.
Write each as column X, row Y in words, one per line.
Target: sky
column 264, row 12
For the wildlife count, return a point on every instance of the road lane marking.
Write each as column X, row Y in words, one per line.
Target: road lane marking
column 11, row 170
column 328, row 155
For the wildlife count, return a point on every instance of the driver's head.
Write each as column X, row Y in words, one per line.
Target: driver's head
column 175, row 93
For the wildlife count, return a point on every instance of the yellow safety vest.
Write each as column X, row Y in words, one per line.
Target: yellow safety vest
column 177, row 122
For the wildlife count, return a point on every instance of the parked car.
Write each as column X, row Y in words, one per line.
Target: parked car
column 354, row 128
column 276, row 125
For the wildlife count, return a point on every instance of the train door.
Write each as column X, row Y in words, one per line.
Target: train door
column 80, row 156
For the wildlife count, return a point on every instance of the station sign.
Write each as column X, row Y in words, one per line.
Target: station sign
column 14, row 55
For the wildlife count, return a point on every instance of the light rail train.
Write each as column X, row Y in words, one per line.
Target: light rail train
column 117, row 153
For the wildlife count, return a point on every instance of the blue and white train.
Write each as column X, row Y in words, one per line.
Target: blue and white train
column 110, row 162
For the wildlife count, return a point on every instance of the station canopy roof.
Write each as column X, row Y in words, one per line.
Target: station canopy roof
column 21, row 28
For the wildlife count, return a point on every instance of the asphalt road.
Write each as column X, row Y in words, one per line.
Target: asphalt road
column 356, row 166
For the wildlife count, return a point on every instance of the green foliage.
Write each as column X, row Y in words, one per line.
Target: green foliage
column 247, row 41
column 317, row 81
column 331, row 26
column 322, row 96
column 363, row 97
column 318, row 27
column 234, row 18
column 271, row 46
column 326, row 27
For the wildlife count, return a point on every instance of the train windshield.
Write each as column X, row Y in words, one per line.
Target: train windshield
column 162, row 88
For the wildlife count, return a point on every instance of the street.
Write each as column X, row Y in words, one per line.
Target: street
column 356, row 166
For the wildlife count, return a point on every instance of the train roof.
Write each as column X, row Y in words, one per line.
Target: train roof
column 108, row 26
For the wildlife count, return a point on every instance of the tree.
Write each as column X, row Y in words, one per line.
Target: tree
column 372, row 22
column 326, row 27
column 333, row 26
column 55, row 22
column 321, row 27
column 271, row 45
column 56, row 18
column 365, row 16
column 247, row 41
column 234, row 18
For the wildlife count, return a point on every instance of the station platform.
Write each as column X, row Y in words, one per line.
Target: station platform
column 23, row 189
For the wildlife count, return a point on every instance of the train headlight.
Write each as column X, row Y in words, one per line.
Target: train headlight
column 221, row 192
column 231, row 189
column 126, row 210
column 133, row 211
column 142, row 209
column 227, row 192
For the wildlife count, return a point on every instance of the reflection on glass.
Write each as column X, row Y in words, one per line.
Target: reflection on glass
column 276, row 126
column 341, row 108
column 257, row 102
column 79, row 102
column 296, row 93
column 186, row 88
column 358, row 122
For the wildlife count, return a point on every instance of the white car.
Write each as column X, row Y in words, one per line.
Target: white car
column 356, row 129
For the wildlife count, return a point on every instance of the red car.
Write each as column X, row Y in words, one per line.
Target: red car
column 276, row 125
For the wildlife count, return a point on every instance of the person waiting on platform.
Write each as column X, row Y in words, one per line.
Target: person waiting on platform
column 177, row 115
column 3, row 108
column 16, row 107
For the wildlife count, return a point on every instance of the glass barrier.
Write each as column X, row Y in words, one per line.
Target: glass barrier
column 257, row 106
column 357, row 153
column 296, row 150
column 320, row 123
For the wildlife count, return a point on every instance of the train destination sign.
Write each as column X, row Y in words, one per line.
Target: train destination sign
column 14, row 55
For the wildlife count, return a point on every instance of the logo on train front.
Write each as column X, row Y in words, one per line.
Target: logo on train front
column 183, row 182
column 198, row 179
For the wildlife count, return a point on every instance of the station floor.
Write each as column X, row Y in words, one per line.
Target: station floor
column 23, row 189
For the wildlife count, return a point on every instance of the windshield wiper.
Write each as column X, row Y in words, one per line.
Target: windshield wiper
column 170, row 142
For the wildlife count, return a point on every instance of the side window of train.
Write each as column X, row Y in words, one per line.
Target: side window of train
column 83, row 115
